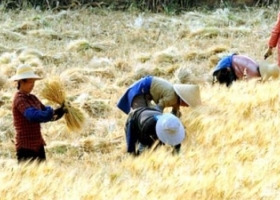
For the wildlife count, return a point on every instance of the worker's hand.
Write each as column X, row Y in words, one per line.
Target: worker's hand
column 59, row 112
column 268, row 53
column 176, row 149
column 64, row 107
column 177, row 113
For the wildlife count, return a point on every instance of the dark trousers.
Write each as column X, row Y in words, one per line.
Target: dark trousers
column 31, row 155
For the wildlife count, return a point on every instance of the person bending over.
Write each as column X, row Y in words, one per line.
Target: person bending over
column 145, row 126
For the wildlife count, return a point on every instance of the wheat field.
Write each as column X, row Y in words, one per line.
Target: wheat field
column 231, row 149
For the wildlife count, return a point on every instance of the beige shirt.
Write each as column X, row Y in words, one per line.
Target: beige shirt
column 163, row 93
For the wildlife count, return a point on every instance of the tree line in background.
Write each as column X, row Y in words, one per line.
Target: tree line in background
column 152, row 5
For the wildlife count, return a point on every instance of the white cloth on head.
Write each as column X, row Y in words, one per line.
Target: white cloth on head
column 169, row 129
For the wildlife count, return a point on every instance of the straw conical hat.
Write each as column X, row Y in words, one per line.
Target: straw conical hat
column 25, row 71
column 190, row 94
column 268, row 70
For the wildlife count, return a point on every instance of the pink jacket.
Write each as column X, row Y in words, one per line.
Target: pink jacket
column 274, row 37
column 244, row 65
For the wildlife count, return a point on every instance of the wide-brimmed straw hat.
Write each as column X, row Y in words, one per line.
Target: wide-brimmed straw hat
column 190, row 94
column 169, row 129
column 25, row 71
column 268, row 70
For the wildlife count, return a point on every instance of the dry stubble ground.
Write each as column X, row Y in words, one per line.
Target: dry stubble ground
column 231, row 150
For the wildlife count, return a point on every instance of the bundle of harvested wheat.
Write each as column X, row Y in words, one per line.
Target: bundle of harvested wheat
column 183, row 75
column 54, row 92
column 74, row 117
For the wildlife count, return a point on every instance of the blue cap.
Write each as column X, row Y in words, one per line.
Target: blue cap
column 224, row 63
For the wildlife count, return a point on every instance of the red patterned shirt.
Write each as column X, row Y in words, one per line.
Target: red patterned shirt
column 28, row 134
column 274, row 37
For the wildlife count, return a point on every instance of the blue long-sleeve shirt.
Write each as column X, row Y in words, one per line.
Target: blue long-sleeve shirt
column 142, row 86
column 36, row 115
column 131, row 138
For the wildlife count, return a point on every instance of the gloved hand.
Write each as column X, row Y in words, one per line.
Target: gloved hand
column 176, row 149
column 59, row 112
column 177, row 113
column 268, row 53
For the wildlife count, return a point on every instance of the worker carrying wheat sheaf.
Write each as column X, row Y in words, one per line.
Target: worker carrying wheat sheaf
column 28, row 113
column 239, row 67
column 163, row 93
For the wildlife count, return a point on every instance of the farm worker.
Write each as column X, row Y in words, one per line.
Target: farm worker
column 28, row 113
column 237, row 67
column 274, row 40
column 144, row 126
column 162, row 92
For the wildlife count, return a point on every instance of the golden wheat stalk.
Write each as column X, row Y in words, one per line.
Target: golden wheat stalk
column 74, row 117
column 55, row 93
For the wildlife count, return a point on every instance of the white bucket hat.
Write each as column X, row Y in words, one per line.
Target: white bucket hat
column 25, row 71
column 268, row 70
column 169, row 129
column 190, row 94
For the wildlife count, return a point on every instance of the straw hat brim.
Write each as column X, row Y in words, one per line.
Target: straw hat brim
column 29, row 75
column 167, row 137
column 190, row 94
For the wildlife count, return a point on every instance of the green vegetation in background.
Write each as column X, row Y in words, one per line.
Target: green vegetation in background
column 167, row 6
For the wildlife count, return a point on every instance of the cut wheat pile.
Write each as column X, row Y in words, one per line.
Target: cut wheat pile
column 54, row 92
